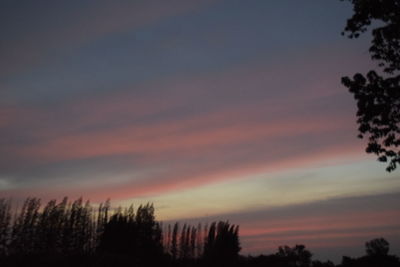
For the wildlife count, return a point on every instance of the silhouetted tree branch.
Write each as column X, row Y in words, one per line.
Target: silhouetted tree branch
column 378, row 94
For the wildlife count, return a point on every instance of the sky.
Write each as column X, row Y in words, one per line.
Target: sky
column 212, row 110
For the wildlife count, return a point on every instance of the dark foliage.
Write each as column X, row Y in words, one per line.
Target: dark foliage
column 297, row 256
column 5, row 221
column 377, row 247
column 367, row 261
column 222, row 242
column 137, row 235
column 377, row 255
column 300, row 256
column 378, row 94
column 73, row 233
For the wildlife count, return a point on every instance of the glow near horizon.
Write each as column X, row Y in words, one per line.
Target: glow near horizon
column 209, row 109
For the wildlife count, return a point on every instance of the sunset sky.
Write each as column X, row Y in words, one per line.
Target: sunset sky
column 210, row 109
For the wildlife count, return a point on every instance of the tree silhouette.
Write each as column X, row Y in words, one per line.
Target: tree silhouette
column 377, row 255
column 167, row 247
column 102, row 219
column 137, row 235
column 49, row 228
column 378, row 95
column 222, row 243
column 297, row 256
column 174, row 242
column 199, row 243
column 71, row 233
column 5, row 223
column 24, row 236
column 117, row 234
column 149, row 235
column 377, row 247
column 193, row 238
column 183, row 248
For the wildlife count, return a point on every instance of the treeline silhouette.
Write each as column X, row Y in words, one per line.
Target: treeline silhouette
column 218, row 241
column 75, row 233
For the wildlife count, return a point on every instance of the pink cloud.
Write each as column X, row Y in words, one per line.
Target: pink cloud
column 170, row 137
column 322, row 224
column 340, row 229
column 204, row 147
column 191, row 175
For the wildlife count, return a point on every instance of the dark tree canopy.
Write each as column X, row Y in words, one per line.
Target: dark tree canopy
column 297, row 256
column 222, row 243
column 72, row 233
column 377, row 247
column 378, row 93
